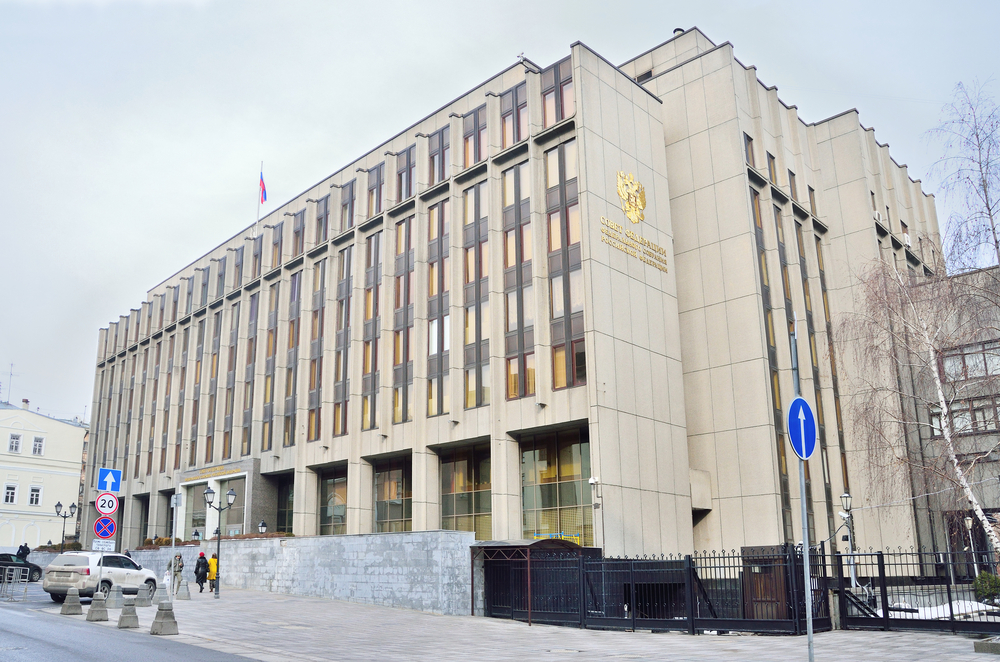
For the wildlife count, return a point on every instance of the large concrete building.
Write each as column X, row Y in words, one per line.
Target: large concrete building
column 557, row 306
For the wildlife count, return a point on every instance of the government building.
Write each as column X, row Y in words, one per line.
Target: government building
column 562, row 305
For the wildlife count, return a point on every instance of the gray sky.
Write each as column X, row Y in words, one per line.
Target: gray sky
column 131, row 132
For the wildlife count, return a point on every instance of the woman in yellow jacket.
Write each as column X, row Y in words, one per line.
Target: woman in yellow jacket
column 213, row 570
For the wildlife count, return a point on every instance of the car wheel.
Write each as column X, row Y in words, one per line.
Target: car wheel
column 35, row 575
column 150, row 587
column 105, row 589
column 57, row 597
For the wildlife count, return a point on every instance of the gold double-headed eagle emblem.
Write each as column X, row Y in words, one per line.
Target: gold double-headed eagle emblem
column 633, row 196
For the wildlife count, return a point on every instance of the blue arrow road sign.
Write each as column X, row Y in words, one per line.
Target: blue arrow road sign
column 801, row 428
column 109, row 480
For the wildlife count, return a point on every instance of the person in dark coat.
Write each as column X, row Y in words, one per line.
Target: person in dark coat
column 201, row 572
column 23, row 551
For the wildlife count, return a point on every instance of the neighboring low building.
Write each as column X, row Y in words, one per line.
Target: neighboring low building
column 558, row 306
column 39, row 466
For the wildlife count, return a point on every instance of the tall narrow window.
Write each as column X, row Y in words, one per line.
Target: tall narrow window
column 238, row 267
column 402, row 340
column 227, row 421
column 181, row 399
column 438, row 319
column 213, row 388
column 142, row 409
column 152, row 407
column 812, row 200
column 833, row 364
column 558, row 99
column 406, row 168
column 173, row 306
column 569, row 358
column 772, row 168
column 292, row 359
column 376, row 190
column 466, row 491
column 748, row 150
column 476, row 295
column 791, row 185
column 188, row 295
column 394, row 495
column 248, row 373
column 347, row 206
column 318, row 318
column 298, row 232
column 168, row 381
column 277, row 235
column 205, row 277
column 342, row 341
column 256, row 257
column 333, row 502
column 514, row 115
column 322, row 218
column 270, row 352
column 519, row 294
column 474, row 136
column 371, row 332
column 440, row 162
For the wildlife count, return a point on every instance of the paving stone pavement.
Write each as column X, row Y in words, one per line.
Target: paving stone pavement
column 273, row 628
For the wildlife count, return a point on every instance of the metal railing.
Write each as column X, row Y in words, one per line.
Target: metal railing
column 14, row 584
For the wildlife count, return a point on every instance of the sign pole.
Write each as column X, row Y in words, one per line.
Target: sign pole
column 807, row 585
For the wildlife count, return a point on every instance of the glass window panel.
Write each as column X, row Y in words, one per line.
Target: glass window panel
column 470, row 388
column 470, row 325
column 529, row 374
column 511, row 312
column 552, row 168
column 512, row 378
column 576, row 291
column 579, row 363
column 549, row 106
column 573, row 216
column 557, row 298
column 484, row 321
column 953, row 367
column 568, row 99
column 526, row 248
column 486, row 383
column 528, row 293
column 569, row 160
column 559, row 367
column 555, row 231
column 508, row 188
column 510, row 250
column 432, row 336
column 470, row 265
column 975, row 364
column 432, row 279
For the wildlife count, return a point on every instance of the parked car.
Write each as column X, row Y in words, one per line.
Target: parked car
column 10, row 560
column 87, row 572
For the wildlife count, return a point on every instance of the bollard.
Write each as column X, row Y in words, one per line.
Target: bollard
column 98, row 609
column 161, row 595
column 143, row 598
column 115, row 598
column 71, row 605
column 183, row 593
column 128, row 618
column 164, row 621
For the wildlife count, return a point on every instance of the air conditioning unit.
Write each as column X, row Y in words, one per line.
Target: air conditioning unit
column 906, row 240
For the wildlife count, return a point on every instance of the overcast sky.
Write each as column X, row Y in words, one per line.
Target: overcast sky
column 131, row 132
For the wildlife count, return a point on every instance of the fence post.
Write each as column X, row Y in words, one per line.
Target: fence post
column 792, row 578
column 583, row 592
column 841, row 591
column 949, row 579
column 884, row 591
column 631, row 583
column 689, row 591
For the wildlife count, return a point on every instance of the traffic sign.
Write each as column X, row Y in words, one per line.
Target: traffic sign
column 801, row 428
column 102, row 545
column 104, row 527
column 107, row 503
column 109, row 480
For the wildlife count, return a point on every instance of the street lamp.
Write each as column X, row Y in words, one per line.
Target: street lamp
column 972, row 544
column 262, row 527
column 71, row 513
column 209, row 498
column 846, row 501
column 196, row 535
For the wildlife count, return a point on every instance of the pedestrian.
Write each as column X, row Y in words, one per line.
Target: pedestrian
column 127, row 554
column 176, row 565
column 201, row 571
column 23, row 551
column 213, row 571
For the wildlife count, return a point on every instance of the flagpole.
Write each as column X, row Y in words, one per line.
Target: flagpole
column 258, row 198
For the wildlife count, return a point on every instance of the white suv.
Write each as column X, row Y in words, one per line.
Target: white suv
column 86, row 572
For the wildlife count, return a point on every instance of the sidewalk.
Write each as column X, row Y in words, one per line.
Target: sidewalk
column 273, row 627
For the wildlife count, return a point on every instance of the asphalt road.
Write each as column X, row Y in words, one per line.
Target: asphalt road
column 27, row 635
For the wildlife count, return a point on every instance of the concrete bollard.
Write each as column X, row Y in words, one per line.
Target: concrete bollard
column 183, row 593
column 98, row 609
column 116, row 600
column 161, row 595
column 71, row 605
column 143, row 598
column 128, row 618
column 164, row 621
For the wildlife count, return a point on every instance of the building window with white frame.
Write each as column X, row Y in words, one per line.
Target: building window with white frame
column 10, row 494
column 35, row 496
column 15, row 444
column 38, row 446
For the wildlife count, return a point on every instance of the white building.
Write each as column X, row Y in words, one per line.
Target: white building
column 40, row 460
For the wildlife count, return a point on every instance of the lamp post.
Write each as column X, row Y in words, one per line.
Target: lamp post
column 230, row 498
column 71, row 513
column 262, row 527
column 972, row 544
column 846, row 501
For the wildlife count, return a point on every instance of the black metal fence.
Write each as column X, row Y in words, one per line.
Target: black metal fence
column 758, row 589
column 915, row 590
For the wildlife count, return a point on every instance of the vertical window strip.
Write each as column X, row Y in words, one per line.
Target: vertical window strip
column 318, row 315
column 249, row 373
column 406, row 165
column 402, row 323
column 342, row 342
column 833, row 365
column 519, row 296
column 371, row 332
column 474, row 137
column 347, row 206
column 322, row 219
column 376, row 189
column 476, row 291
column 270, row 353
column 438, row 317
column 514, row 115
column 440, row 152
column 227, row 421
column 292, row 358
column 558, row 98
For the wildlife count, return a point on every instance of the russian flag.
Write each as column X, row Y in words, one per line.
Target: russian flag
column 263, row 189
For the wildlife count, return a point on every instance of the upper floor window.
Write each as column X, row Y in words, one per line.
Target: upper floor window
column 255, row 260
column 376, row 189
column 15, row 444
column 276, row 237
column 972, row 361
column 322, row 218
column 238, row 267
column 475, row 136
column 9, row 494
column 514, row 115
column 220, row 277
column 347, row 206
column 558, row 100
column 35, row 496
column 298, row 232
column 748, row 149
column 406, row 166
column 38, row 446
column 772, row 168
column 791, row 185
column 440, row 150
column 812, row 200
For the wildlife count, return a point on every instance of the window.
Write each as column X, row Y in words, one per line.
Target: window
column 292, row 357
column 393, row 495
column 569, row 358
column 519, row 295
column 182, row 384
column 286, row 503
column 558, row 101
column 476, row 295
column 318, row 316
column 971, row 361
column 205, row 277
column 402, row 335
column 466, row 491
column 220, row 277
column 256, row 259
column 322, row 219
column 438, row 319
column 791, row 185
column 238, row 267
column 35, row 496
column 406, row 167
column 772, row 169
column 38, row 446
column 333, row 502
column 298, row 232
column 270, row 352
column 9, row 494
column 474, row 133
column 812, row 200
column 347, row 206
column 276, row 238
column 370, row 333
column 555, row 493
column 514, row 115
column 249, row 370
column 376, row 190
column 213, row 386
column 175, row 300
column 227, row 421
column 342, row 341
column 440, row 162
column 748, row 149
column 14, row 446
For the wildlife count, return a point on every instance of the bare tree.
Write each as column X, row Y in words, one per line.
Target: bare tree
column 970, row 173
column 912, row 409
